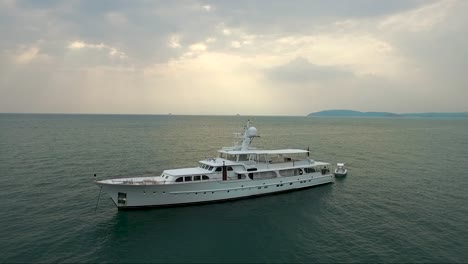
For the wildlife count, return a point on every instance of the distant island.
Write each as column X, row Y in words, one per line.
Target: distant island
column 352, row 113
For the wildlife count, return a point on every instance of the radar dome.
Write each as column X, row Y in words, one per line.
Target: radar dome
column 252, row 132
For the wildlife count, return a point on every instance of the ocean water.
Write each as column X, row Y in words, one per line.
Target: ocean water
column 404, row 199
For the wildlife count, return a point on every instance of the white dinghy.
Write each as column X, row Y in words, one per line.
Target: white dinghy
column 340, row 170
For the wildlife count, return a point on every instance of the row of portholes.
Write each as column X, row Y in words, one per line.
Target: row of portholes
column 242, row 188
column 154, row 192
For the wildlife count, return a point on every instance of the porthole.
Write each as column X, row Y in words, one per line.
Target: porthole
column 204, row 193
column 290, row 183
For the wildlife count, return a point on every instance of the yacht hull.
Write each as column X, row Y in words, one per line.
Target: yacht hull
column 126, row 196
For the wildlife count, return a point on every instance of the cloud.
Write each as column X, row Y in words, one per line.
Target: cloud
column 207, row 7
column 420, row 19
column 301, row 70
column 402, row 54
column 174, row 41
column 27, row 55
column 198, row 47
column 116, row 18
column 112, row 51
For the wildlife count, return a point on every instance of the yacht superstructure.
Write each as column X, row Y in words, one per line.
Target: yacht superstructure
column 237, row 172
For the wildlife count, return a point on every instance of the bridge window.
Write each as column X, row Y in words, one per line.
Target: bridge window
column 229, row 168
column 242, row 157
column 219, row 169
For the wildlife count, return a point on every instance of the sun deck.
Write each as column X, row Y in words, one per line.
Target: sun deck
column 263, row 152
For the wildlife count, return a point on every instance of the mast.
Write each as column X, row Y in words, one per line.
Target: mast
column 247, row 136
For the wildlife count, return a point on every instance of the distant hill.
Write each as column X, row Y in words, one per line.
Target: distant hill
column 352, row 113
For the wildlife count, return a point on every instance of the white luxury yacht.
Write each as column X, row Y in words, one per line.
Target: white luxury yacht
column 238, row 172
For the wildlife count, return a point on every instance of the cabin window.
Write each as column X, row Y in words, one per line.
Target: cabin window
column 241, row 176
column 229, row 168
column 309, row 170
column 196, row 178
column 180, row 179
column 242, row 157
column 251, row 176
column 218, row 168
column 204, row 177
column 231, row 157
column 210, row 168
column 188, row 178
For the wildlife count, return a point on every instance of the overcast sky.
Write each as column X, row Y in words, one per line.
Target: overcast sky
column 228, row 57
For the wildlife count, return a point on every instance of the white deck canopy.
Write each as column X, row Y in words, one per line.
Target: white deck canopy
column 263, row 152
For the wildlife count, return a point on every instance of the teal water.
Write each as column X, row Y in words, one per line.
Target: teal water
column 404, row 200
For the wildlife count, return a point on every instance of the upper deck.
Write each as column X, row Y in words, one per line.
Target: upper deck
column 263, row 152
column 235, row 163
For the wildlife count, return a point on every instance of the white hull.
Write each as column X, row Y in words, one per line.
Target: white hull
column 341, row 173
column 155, row 195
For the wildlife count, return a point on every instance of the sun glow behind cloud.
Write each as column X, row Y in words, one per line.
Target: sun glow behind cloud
column 215, row 65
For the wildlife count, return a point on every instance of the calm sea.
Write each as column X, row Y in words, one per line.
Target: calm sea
column 404, row 200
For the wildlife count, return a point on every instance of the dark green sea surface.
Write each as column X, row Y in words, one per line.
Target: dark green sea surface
column 404, row 200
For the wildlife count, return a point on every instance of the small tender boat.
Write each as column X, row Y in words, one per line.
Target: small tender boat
column 340, row 170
